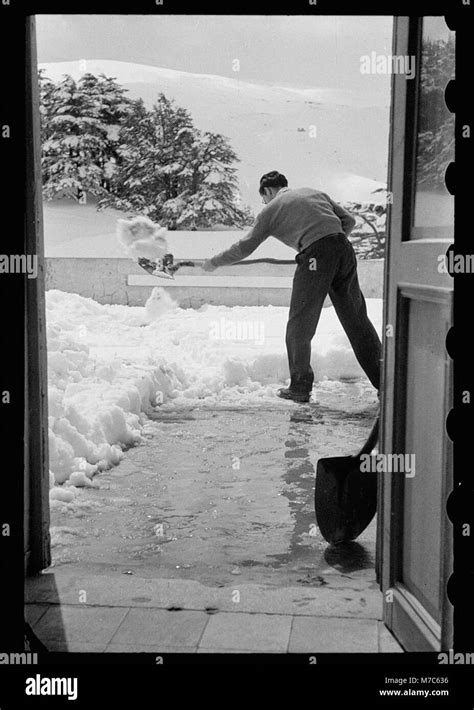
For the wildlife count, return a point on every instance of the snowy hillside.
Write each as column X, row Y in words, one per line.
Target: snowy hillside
column 110, row 365
column 171, row 79
column 326, row 138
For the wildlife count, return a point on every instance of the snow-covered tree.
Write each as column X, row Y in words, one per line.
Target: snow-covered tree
column 48, row 100
column 153, row 150
column 108, row 102
column 79, row 134
column 211, row 195
column 173, row 173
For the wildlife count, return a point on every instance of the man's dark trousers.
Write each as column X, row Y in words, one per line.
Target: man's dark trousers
column 328, row 266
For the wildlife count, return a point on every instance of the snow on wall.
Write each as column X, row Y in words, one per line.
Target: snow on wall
column 110, row 365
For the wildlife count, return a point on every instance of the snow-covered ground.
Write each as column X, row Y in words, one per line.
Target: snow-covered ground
column 110, row 365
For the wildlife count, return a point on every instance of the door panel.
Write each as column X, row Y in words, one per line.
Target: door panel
column 424, row 433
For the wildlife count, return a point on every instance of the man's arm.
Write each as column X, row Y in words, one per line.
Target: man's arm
column 246, row 245
column 347, row 220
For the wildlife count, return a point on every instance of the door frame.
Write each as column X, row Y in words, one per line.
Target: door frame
column 37, row 548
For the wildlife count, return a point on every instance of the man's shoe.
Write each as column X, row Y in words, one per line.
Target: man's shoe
column 286, row 393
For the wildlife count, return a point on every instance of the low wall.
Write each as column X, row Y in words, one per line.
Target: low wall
column 121, row 281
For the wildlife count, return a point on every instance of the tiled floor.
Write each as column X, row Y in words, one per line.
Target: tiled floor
column 97, row 628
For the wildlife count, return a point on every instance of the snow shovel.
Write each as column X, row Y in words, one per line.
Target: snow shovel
column 345, row 498
column 167, row 267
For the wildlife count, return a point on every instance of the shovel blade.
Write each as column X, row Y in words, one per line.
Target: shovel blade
column 345, row 498
column 151, row 268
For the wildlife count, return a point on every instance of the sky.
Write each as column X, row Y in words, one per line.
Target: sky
column 298, row 51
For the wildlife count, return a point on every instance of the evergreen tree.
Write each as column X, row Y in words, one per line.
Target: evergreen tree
column 211, row 195
column 78, row 141
column 173, row 173
column 48, row 99
column 106, row 101
column 154, row 149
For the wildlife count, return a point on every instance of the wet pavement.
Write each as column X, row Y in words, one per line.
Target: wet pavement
column 223, row 494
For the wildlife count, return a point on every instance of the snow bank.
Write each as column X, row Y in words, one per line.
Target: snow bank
column 109, row 366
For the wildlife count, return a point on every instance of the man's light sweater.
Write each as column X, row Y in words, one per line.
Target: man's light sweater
column 296, row 217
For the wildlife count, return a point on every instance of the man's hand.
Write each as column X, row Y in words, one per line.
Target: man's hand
column 208, row 265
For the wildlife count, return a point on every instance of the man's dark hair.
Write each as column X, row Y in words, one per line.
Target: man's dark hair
column 272, row 179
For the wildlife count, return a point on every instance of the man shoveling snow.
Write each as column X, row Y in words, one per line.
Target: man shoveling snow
column 312, row 223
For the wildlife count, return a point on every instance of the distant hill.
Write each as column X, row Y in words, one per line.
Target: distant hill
column 271, row 127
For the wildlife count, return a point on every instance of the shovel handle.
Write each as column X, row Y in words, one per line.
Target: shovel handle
column 247, row 262
column 267, row 260
column 372, row 439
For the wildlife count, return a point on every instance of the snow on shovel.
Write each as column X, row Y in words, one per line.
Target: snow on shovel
column 345, row 498
column 146, row 241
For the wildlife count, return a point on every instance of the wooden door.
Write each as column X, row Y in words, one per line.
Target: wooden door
column 415, row 533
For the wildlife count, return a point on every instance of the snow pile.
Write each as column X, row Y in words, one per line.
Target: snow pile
column 95, row 407
column 158, row 304
column 142, row 237
column 109, row 366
